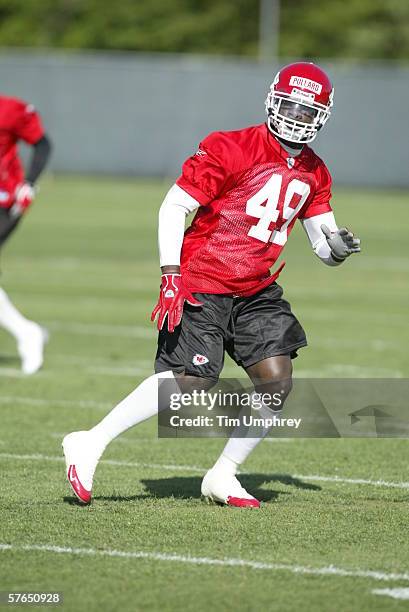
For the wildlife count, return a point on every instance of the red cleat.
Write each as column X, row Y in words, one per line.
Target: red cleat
column 81, row 492
column 82, row 452
column 242, row 502
column 224, row 488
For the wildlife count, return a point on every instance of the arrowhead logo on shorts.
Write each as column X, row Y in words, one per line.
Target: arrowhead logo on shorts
column 199, row 359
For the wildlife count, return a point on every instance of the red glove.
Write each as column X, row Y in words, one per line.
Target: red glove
column 173, row 295
column 23, row 197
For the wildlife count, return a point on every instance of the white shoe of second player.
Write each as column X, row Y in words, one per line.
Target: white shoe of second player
column 82, row 454
column 31, row 348
column 224, row 488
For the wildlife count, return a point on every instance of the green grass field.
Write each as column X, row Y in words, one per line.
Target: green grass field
column 84, row 263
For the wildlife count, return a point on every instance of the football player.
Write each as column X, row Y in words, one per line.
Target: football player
column 248, row 187
column 20, row 121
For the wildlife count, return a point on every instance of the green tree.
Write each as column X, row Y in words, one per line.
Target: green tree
column 375, row 29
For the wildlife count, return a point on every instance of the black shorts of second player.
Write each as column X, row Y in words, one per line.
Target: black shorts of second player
column 7, row 224
column 250, row 329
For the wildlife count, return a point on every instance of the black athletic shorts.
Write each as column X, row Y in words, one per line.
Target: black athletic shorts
column 250, row 329
column 7, row 224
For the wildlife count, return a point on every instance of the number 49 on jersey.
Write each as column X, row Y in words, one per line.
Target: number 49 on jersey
column 264, row 206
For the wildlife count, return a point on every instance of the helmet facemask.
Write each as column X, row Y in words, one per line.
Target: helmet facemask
column 295, row 117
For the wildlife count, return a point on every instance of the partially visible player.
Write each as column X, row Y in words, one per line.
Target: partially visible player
column 20, row 121
column 248, row 188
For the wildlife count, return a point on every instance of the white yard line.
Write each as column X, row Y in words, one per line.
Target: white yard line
column 118, row 371
column 279, row 439
column 331, row 570
column 34, row 401
column 130, row 372
column 17, row 373
column 195, row 468
column 355, row 481
column 133, row 441
column 97, row 329
column 100, row 360
column 11, row 372
column 340, row 370
column 159, row 466
column 377, row 344
column 339, row 314
column 399, row 593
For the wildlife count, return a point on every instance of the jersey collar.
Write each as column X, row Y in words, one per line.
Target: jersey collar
column 275, row 144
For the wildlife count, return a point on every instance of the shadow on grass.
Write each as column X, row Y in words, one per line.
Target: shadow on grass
column 179, row 487
column 9, row 360
column 73, row 501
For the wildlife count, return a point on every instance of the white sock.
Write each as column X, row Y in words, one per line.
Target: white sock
column 237, row 450
column 11, row 319
column 138, row 406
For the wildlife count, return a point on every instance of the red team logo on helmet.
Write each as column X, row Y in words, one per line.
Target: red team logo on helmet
column 299, row 102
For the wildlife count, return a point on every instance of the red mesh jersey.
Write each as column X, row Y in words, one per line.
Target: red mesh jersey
column 251, row 192
column 18, row 121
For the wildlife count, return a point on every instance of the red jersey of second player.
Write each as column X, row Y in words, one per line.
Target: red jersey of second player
column 18, row 121
column 251, row 192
